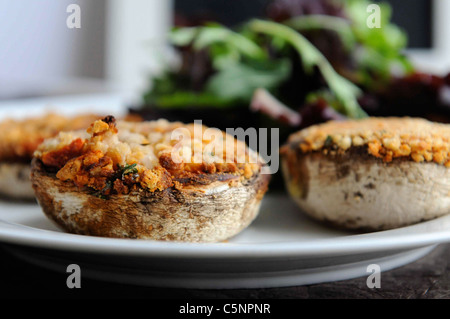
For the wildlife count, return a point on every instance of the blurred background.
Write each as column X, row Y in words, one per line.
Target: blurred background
column 40, row 55
column 120, row 44
column 232, row 73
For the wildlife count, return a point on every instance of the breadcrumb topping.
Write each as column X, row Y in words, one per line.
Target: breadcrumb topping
column 119, row 157
column 415, row 139
column 20, row 138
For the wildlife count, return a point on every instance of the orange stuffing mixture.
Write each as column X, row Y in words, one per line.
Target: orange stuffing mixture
column 387, row 138
column 20, row 138
column 117, row 157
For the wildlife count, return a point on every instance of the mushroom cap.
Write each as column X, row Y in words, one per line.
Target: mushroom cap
column 141, row 180
column 15, row 181
column 196, row 213
column 358, row 174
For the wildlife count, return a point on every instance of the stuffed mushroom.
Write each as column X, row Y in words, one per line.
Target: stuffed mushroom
column 20, row 138
column 150, row 180
column 370, row 174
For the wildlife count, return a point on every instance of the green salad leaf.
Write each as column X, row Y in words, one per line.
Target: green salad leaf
column 215, row 36
column 253, row 57
column 344, row 90
column 339, row 25
column 238, row 81
column 380, row 50
column 241, row 66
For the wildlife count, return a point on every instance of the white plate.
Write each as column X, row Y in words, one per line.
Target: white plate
column 282, row 247
column 105, row 103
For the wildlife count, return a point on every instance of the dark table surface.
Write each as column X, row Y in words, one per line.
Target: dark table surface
column 426, row 278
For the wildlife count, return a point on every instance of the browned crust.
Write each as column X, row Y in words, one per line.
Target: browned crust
column 180, row 214
column 20, row 138
column 388, row 138
column 81, row 162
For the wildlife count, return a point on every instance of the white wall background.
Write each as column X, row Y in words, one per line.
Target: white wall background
column 118, row 42
column 136, row 42
column 436, row 60
column 35, row 41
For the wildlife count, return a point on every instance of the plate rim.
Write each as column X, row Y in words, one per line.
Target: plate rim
column 236, row 279
column 14, row 233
